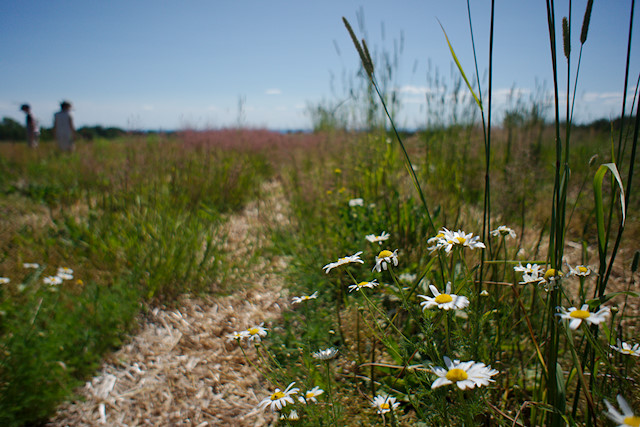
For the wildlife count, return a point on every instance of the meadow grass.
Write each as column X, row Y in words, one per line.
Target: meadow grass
column 398, row 316
column 135, row 221
column 522, row 324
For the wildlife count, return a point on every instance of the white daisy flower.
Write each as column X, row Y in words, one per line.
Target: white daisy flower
column 627, row 349
column 31, row 265
column 358, row 286
column 447, row 240
column 310, row 395
column 378, row 239
column 64, row 270
column 504, row 231
column 579, row 270
column 444, row 301
column 384, row 259
column 256, row 333
column 534, row 269
column 356, row 202
column 298, row 300
column 575, row 316
column 435, row 240
column 385, row 403
column 627, row 418
column 238, row 335
column 65, row 276
column 52, row 280
column 4, row 280
column 279, row 399
column 407, row 277
column 327, row 354
column 341, row 261
column 291, row 416
column 463, row 374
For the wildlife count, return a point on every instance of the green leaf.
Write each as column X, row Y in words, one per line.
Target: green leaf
column 597, row 189
column 455, row 58
column 595, row 302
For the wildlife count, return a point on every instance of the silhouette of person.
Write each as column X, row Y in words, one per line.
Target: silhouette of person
column 33, row 131
column 63, row 129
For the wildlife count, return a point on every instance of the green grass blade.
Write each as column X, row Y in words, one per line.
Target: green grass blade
column 464, row 76
column 597, row 189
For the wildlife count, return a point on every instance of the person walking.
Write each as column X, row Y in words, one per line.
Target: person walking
column 33, row 131
column 63, row 129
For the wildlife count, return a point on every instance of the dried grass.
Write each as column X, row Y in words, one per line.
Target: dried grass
column 181, row 369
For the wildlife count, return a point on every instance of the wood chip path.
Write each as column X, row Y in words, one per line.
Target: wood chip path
column 180, row 369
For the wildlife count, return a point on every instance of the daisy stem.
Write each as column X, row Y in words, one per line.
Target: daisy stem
column 578, row 367
column 268, row 377
column 329, row 392
column 446, row 327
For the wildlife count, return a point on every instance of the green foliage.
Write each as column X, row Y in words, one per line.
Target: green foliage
column 138, row 220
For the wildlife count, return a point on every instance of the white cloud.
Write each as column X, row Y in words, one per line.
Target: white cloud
column 273, row 92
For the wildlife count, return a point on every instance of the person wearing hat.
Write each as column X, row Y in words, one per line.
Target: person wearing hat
column 63, row 129
column 33, row 132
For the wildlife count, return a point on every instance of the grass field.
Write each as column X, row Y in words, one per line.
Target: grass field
column 463, row 274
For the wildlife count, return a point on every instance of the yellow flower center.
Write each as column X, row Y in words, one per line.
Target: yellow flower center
column 582, row 269
column 461, row 240
column 580, row 314
column 385, row 254
column 456, row 375
column 443, row 298
column 552, row 273
column 253, row 331
column 439, row 236
column 277, row 395
column 310, row 395
column 361, row 284
column 632, row 421
column 384, row 405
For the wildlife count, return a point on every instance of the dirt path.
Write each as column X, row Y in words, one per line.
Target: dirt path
column 181, row 369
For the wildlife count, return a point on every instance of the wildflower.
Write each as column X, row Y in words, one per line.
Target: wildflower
column 464, row 374
column 310, row 395
column 356, row 202
column 576, row 316
column 279, row 399
column 378, row 239
column 533, row 269
column 484, row 293
column 64, row 270
column 384, row 259
column 407, row 277
column 627, row 349
column 504, row 231
column 551, row 275
column 385, row 403
column 341, row 261
column 627, row 418
column 445, row 301
column 579, row 270
column 358, row 286
column 52, row 280
column 31, row 265
column 327, row 354
column 337, row 171
column 298, row 300
column 65, row 276
column 450, row 239
column 434, row 240
column 4, row 280
column 256, row 333
column 291, row 416
column 238, row 336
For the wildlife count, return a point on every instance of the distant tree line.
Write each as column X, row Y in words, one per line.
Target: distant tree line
column 11, row 130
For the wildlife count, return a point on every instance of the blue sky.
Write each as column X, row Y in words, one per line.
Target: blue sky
column 154, row 64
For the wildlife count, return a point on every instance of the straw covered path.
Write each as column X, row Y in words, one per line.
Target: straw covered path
column 180, row 368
